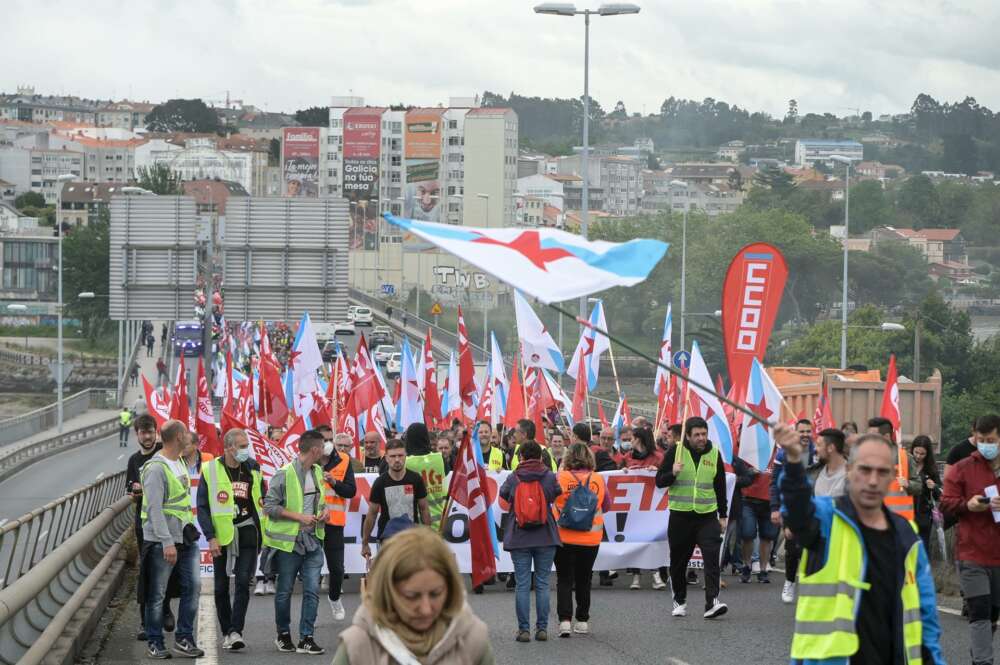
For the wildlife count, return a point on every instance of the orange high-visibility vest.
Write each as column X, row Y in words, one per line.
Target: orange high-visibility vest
column 568, row 480
column 897, row 500
column 336, row 506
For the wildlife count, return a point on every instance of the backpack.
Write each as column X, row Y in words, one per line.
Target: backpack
column 581, row 506
column 530, row 505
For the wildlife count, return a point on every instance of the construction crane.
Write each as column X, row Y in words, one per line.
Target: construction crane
column 229, row 103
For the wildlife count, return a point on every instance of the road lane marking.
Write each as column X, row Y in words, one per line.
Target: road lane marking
column 120, row 457
column 208, row 638
column 948, row 610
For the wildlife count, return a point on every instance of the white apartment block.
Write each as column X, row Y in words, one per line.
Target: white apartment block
column 810, row 151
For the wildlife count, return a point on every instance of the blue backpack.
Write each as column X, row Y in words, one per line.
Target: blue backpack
column 581, row 506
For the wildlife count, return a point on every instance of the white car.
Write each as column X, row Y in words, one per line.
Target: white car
column 350, row 312
column 343, row 328
column 382, row 353
column 363, row 316
column 394, row 364
column 324, row 331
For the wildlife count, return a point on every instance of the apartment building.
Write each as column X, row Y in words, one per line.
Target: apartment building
column 810, row 151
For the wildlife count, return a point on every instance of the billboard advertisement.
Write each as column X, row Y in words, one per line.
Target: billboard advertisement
column 362, row 147
column 300, row 161
column 421, row 198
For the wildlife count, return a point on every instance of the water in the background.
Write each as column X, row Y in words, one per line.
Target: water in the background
column 984, row 327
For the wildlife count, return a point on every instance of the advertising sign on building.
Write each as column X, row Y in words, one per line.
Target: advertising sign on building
column 362, row 139
column 300, row 161
column 423, row 164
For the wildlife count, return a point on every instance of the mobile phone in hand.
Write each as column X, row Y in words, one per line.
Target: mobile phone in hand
column 983, row 499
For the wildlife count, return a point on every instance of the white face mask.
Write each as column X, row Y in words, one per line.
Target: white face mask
column 328, row 448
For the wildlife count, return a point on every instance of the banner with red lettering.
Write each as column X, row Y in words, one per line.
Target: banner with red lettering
column 751, row 297
column 635, row 527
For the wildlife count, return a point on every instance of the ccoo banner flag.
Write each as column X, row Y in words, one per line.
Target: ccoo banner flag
column 751, row 296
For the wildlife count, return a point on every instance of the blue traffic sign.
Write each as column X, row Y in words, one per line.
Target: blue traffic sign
column 682, row 359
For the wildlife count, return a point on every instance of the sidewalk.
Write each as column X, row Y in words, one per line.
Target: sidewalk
column 91, row 417
column 147, row 368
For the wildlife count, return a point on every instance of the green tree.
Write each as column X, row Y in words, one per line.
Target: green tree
column 314, row 116
column 869, row 207
column 183, row 115
column 917, row 200
column 86, row 260
column 159, row 179
column 960, row 154
column 29, row 200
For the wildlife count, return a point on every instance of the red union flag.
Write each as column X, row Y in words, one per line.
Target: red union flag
column 467, row 488
column 751, row 296
column 208, row 436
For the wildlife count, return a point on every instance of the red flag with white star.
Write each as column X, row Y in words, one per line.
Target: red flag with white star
column 466, row 370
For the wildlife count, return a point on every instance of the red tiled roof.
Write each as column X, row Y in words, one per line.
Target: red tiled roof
column 939, row 234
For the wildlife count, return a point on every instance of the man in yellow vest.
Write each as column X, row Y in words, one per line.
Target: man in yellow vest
column 338, row 489
column 492, row 456
column 525, row 431
column 230, row 514
column 865, row 590
column 170, row 540
column 696, row 476
column 296, row 514
column 125, row 418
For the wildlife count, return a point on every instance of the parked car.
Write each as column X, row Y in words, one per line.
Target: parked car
column 330, row 351
column 187, row 338
column 381, row 335
column 343, row 328
column 363, row 316
column 382, row 353
column 393, row 365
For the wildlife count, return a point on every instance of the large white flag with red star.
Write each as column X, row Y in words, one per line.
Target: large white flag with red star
column 549, row 264
column 537, row 346
column 590, row 347
column 756, row 437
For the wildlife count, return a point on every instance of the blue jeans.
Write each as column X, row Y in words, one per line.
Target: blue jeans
column 523, row 558
column 288, row 565
column 189, row 579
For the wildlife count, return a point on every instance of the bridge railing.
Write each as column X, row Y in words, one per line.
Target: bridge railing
column 52, row 559
column 31, row 423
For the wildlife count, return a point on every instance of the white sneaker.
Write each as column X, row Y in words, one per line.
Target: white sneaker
column 227, row 642
column 716, row 610
column 565, row 629
column 755, row 567
column 259, row 590
column 581, row 627
column 236, row 642
column 269, row 588
column 323, row 584
column 337, row 608
column 658, row 582
column 680, row 609
column 636, row 579
column 788, row 592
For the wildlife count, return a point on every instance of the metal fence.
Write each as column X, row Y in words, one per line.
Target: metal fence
column 50, row 560
column 10, row 354
column 15, row 457
column 31, row 423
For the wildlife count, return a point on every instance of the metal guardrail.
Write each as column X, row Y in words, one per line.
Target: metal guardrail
column 28, row 424
column 14, row 458
column 16, row 357
column 51, row 559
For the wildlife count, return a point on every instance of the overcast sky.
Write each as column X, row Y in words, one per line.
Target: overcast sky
column 829, row 55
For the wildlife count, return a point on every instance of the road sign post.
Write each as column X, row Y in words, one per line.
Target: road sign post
column 682, row 359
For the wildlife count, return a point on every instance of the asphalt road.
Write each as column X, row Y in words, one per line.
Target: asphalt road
column 62, row 473
column 626, row 627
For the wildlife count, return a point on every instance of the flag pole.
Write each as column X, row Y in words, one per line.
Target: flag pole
column 687, row 394
column 688, row 380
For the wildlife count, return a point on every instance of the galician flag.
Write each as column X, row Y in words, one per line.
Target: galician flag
column 538, row 349
column 666, row 353
column 549, row 264
column 756, row 437
column 408, row 408
column 711, row 408
column 454, row 408
column 590, row 347
column 498, row 375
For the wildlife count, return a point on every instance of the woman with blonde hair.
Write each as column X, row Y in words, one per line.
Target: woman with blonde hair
column 579, row 510
column 414, row 610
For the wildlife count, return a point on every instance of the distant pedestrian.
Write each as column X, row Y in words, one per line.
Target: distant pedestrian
column 531, row 536
column 404, row 319
column 388, row 312
column 133, row 375
column 149, row 345
column 125, row 418
column 163, row 337
column 161, row 370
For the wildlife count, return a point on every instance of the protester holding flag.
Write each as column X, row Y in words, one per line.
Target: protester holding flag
column 579, row 510
column 531, row 536
column 230, row 514
column 397, row 500
column 696, row 475
column 338, row 489
column 414, row 610
column 492, row 457
column 830, row 479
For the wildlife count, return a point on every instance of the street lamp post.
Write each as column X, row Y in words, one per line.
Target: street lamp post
column 486, row 313
column 684, row 235
column 846, row 161
column 90, row 295
column 569, row 9
column 59, row 310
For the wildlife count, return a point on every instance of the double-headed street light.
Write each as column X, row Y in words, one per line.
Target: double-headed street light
column 681, row 184
column 569, row 9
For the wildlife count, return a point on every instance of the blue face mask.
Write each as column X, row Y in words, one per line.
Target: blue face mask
column 242, row 455
column 989, row 450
